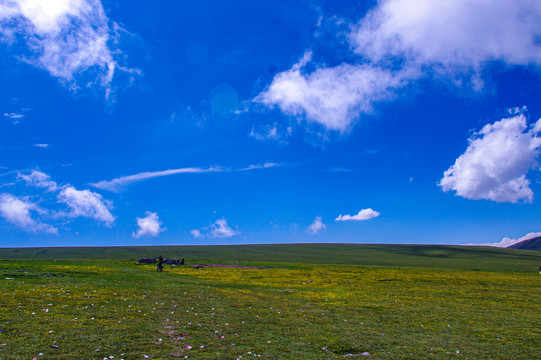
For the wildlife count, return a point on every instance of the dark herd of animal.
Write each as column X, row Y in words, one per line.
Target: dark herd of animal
column 165, row 261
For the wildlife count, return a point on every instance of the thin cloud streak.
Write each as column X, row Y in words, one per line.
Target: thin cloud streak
column 120, row 183
column 267, row 165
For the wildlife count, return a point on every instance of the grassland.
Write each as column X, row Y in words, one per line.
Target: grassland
column 420, row 256
column 311, row 302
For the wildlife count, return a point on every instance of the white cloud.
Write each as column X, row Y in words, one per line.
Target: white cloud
column 64, row 37
column 219, row 229
column 340, row 170
column 86, row 203
column 506, row 242
column 267, row 165
column 451, row 33
column 332, row 97
column 266, row 133
column 496, row 162
column 39, row 179
column 364, row 214
column 43, row 146
column 118, row 183
column 80, row 203
column 402, row 41
column 14, row 116
column 150, row 225
column 317, row 226
column 274, row 132
column 17, row 212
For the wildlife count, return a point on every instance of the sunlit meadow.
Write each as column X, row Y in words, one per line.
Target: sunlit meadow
column 94, row 309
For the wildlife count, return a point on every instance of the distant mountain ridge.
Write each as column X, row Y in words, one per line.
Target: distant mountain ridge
column 530, row 244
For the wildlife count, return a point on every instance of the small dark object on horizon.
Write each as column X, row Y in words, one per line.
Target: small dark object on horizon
column 154, row 260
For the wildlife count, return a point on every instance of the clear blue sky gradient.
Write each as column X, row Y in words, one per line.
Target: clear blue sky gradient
column 195, row 91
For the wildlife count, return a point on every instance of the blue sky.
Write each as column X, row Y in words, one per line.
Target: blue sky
column 214, row 122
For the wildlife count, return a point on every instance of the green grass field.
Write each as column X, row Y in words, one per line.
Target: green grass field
column 311, row 302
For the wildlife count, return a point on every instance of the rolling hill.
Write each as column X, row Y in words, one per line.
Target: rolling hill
column 530, row 244
column 387, row 255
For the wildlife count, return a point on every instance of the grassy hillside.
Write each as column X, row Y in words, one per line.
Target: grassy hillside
column 105, row 309
column 530, row 244
column 412, row 256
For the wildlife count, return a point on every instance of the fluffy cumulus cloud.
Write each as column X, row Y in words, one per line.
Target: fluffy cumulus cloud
column 334, row 96
column 219, row 229
column 63, row 37
column 317, row 226
column 25, row 214
column 364, row 214
column 85, row 203
column 150, row 225
column 506, row 242
column 451, row 33
column 18, row 212
column 402, row 41
column 496, row 162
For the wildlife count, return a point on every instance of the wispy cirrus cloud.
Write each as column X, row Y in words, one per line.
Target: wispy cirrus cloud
column 120, row 183
column 38, row 179
column 267, row 165
column 275, row 132
column 15, row 117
